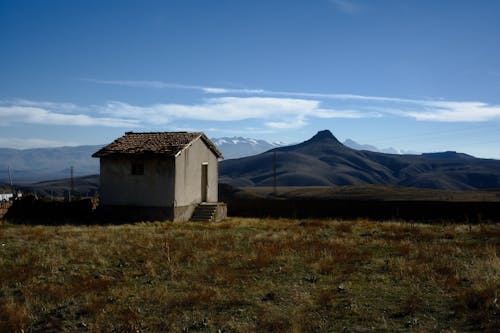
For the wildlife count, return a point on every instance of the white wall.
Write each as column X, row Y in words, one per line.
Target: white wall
column 6, row 196
column 188, row 174
column 153, row 189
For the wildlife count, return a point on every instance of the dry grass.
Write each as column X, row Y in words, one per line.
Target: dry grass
column 247, row 275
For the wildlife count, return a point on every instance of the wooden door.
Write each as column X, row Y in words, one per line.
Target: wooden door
column 204, row 182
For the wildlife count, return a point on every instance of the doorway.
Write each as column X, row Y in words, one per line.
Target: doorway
column 204, row 181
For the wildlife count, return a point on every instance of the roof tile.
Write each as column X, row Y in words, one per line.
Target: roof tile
column 153, row 143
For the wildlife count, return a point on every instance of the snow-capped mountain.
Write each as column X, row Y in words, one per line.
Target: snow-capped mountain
column 359, row 146
column 39, row 164
column 236, row 147
column 324, row 161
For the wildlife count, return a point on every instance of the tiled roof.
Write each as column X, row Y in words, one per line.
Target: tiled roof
column 154, row 143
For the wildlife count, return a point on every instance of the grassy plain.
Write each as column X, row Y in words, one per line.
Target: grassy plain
column 358, row 192
column 250, row 275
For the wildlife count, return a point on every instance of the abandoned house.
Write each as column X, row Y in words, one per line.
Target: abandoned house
column 165, row 175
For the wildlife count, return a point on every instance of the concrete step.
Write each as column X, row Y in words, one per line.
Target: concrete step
column 204, row 212
column 206, row 209
column 202, row 217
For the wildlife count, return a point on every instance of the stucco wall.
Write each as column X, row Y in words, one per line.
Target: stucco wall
column 155, row 188
column 188, row 174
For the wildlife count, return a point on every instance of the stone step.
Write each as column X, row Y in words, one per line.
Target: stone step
column 204, row 212
column 206, row 209
column 202, row 217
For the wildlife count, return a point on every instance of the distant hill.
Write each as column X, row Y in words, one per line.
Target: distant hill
column 354, row 145
column 236, row 147
column 37, row 164
column 324, row 161
column 4, row 188
column 359, row 146
column 320, row 161
column 83, row 186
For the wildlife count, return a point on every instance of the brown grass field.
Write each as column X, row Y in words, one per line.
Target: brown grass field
column 250, row 275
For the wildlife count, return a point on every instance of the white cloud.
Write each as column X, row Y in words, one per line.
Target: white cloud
column 18, row 143
column 141, row 84
column 260, row 92
column 274, row 109
column 279, row 112
column 236, row 91
column 22, row 113
column 61, row 107
column 293, row 123
column 275, row 112
column 171, row 85
column 349, row 114
column 446, row 111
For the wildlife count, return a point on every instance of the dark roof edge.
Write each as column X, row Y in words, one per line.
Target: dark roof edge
column 207, row 141
column 212, row 146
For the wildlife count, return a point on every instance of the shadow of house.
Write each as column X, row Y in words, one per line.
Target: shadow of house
column 160, row 175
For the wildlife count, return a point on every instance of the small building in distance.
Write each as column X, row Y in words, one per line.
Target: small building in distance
column 6, row 196
column 163, row 175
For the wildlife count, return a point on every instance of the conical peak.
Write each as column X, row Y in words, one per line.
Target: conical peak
column 324, row 135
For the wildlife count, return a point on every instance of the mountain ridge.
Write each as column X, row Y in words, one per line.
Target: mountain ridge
column 237, row 146
column 324, row 161
column 310, row 163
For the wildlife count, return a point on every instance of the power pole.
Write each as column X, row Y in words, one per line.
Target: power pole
column 274, row 174
column 72, row 183
column 10, row 181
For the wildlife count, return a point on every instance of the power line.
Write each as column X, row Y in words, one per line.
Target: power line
column 72, row 184
column 274, row 173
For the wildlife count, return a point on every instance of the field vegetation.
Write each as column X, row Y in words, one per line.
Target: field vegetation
column 250, row 275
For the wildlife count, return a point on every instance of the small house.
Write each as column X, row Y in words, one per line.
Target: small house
column 161, row 175
column 6, row 196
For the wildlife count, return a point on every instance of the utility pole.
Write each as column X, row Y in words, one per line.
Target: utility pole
column 10, row 181
column 274, row 173
column 72, row 184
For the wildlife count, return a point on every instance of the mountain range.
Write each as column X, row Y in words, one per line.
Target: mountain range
column 38, row 164
column 324, row 161
column 390, row 150
column 41, row 164
column 236, row 147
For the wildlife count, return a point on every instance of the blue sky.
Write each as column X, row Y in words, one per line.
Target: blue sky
column 411, row 74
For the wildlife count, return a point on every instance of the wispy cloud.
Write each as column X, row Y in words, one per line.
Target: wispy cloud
column 61, row 107
column 347, row 6
column 273, row 112
column 360, row 105
column 276, row 112
column 43, row 113
column 276, row 109
column 170, row 85
column 447, row 111
column 21, row 143
column 293, row 123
